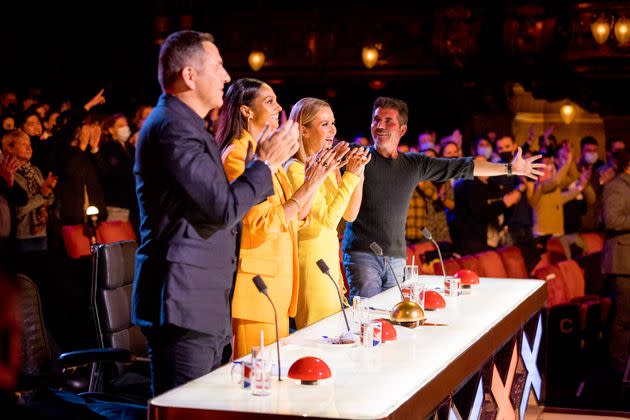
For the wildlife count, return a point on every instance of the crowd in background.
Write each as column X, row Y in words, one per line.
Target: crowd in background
column 59, row 158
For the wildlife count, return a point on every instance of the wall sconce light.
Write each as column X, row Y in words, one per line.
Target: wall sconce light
column 256, row 60
column 369, row 55
column 622, row 30
column 601, row 30
column 567, row 113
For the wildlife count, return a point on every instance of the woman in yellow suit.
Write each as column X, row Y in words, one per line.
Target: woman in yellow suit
column 339, row 196
column 269, row 233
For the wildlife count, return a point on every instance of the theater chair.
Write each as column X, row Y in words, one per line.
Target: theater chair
column 471, row 263
column 492, row 264
column 556, row 290
column 112, row 283
column 593, row 242
column 52, row 388
column 451, row 266
column 513, row 262
column 591, row 265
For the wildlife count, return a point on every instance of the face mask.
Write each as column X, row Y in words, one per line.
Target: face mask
column 506, row 156
column 590, row 157
column 123, row 133
column 485, row 152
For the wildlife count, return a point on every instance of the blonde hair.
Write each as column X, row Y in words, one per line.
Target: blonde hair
column 304, row 112
column 9, row 139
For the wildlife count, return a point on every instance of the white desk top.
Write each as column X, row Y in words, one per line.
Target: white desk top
column 366, row 383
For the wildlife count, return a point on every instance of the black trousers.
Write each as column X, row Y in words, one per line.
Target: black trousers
column 179, row 355
column 619, row 344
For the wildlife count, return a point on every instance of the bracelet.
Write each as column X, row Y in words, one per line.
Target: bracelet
column 296, row 202
column 508, row 166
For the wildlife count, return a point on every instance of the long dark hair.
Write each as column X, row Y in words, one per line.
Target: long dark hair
column 231, row 121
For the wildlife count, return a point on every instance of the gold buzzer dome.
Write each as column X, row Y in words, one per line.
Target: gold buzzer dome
column 407, row 313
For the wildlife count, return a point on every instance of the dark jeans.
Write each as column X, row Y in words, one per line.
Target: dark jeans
column 619, row 345
column 179, row 355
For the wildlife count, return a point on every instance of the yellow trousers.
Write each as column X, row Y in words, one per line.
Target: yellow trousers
column 247, row 334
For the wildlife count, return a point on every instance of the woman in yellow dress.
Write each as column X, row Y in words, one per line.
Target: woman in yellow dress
column 269, row 232
column 339, row 196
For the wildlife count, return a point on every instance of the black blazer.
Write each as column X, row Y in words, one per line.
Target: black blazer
column 189, row 222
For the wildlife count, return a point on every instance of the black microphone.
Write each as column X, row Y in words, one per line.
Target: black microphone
column 379, row 252
column 262, row 288
column 323, row 267
column 427, row 234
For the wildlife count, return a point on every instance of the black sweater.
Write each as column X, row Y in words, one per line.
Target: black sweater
column 387, row 190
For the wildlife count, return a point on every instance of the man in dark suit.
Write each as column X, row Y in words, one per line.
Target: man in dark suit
column 190, row 214
column 616, row 258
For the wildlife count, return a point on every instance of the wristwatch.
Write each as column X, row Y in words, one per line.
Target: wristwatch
column 508, row 166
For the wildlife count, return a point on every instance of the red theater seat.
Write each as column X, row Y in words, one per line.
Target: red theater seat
column 410, row 253
column 420, row 249
column 593, row 242
column 472, row 263
column 513, row 262
column 492, row 264
column 556, row 291
column 451, row 266
column 556, row 251
column 573, row 278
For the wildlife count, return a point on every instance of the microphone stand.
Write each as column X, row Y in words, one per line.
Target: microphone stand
column 379, row 252
column 262, row 288
column 323, row 267
column 427, row 234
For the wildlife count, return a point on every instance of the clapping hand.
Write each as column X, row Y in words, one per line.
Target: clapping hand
column 357, row 159
column 527, row 167
column 319, row 166
column 9, row 165
column 48, row 185
column 279, row 146
column 94, row 137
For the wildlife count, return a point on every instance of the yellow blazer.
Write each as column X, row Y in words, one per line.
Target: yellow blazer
column 268, row 246
column 317, row 297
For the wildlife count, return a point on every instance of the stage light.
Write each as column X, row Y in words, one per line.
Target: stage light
column 369, row 55
column 622, row 30
column 567, row 113
column 256, row 60
column 601, row 30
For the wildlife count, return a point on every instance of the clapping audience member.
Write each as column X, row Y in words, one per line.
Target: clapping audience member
column 115, row 166
column 478, row 206
column 31, row 218
column 548, row 198
column 11, row 196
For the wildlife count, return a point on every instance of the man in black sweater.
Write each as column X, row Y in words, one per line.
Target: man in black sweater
column 390, row 179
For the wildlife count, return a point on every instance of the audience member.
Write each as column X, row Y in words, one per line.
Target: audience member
column 616, row 258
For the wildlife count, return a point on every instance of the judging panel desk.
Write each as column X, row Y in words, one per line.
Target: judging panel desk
column 406, row 378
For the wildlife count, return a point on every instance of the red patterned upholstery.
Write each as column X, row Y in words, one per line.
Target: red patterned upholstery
column 451, row 266
column 573, row 278
column 492, row 264
column 593, row 242
column 556, row 291
column 472, row 263
column 513, row 262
